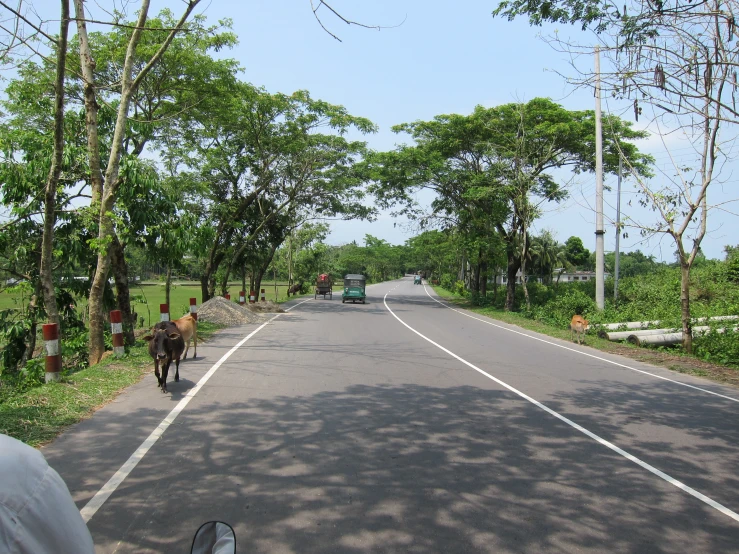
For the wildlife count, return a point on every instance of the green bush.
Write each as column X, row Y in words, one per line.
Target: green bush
column 722, row 348
column 559, row 311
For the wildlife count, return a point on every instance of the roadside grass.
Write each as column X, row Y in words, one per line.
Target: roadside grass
column 668, row 358
column 40, row 414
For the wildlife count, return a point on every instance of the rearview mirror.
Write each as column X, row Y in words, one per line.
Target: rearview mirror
column 214, row 537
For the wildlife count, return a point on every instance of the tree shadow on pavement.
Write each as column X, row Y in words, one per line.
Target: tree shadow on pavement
column 398, row 469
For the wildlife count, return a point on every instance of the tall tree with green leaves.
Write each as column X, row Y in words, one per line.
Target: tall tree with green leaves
column 259, row 149
column 675, row 65
column 498, row 163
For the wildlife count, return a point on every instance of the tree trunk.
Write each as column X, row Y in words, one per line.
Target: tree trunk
column 168, row 288
column 33, row 314
column 524, row 285
column 483, row 279
column 685, row 307
column 123, row 293
column 87, row 64
column 204, row 292
column 208, row 279
column 47, row 242
column 224, row 282
column 512, row 269
column 263, row 269
column 524, row 254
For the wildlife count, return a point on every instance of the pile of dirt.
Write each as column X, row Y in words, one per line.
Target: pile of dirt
column 224, row 312
column 268, row 306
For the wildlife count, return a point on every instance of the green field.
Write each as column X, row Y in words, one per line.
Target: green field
column 146, row 297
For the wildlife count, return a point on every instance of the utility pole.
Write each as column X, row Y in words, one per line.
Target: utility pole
column 618, row 230
column 599, row 257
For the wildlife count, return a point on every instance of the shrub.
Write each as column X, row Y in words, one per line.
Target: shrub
column 722, row 348
column 559, row 311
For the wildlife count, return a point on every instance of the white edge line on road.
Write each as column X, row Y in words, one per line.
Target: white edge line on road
column 720, row 507
column 109, row 488
column 580, row 351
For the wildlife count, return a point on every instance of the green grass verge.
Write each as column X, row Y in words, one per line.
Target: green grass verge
column 146, row 297
column 38, row 415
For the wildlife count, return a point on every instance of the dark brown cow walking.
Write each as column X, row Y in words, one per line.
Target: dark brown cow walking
column 165, row 344
column 295, row 289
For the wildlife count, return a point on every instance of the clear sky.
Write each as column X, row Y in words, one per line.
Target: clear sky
column 430, row 58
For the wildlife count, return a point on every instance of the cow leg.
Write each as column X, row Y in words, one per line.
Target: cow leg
column 187, row 347
column 165, row 372
column 195, row 338
column 177, row 370
column 156, row 372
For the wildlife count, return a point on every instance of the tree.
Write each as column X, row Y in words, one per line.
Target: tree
column 576, row 253
column 678, row 60
column 263, row 154
column 546, row 255
column 496, row 165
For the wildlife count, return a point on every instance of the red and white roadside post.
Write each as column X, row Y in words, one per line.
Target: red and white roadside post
column 163, row 312
column 227, row 297
column 242, row 298
column 53, row 352
column 262, row 297
column 252, row 296
column 194, row 308
column 116, row 328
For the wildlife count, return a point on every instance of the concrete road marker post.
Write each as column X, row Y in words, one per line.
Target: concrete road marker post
column 116, row 328
column 194, row 308
column 53, row 352
column 163, row 312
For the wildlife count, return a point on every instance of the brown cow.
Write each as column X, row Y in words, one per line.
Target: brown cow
column 295, row 289
column 578, row 326
column 188, row 328
column 165, row 345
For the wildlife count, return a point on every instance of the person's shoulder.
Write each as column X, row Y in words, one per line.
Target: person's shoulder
column 22, row 468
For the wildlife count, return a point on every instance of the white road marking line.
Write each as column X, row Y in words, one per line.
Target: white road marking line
column 114, row 482
column 703, row 498
column 581, row 352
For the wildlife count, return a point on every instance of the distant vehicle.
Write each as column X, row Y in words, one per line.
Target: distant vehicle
column 354, row 286
column 417, row 280
column 324, row 286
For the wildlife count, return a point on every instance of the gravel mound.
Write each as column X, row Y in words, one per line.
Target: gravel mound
column 224, row 312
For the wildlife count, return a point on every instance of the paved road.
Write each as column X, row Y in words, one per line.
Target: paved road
column 406, row 426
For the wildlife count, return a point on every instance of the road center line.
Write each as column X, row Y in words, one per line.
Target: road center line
column 580, row 351
column 703, row 498
column 114, row 482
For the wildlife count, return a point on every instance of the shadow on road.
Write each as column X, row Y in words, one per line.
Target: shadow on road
column 401, row 469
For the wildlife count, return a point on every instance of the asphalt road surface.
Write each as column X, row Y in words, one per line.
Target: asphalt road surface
column 405, row 425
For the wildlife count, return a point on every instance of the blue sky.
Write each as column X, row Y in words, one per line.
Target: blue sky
column 429, row 58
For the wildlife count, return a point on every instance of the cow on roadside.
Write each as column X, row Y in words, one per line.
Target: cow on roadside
column 165, row 344
column 295, row 289
column 187, row 325
column 578, row 326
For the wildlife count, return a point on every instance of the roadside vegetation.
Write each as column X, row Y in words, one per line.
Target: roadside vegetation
column 648, row 291
column 36, row 412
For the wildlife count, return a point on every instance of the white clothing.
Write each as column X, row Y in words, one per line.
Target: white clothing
column 37, row 513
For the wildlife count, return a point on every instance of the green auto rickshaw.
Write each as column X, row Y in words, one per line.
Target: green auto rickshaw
column 353, row 288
